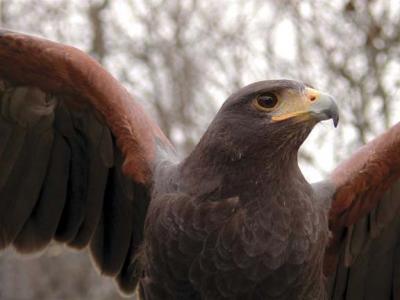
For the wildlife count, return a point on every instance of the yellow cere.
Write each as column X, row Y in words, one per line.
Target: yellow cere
column 295, row 104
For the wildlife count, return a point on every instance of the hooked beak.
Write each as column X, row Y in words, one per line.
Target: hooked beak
column 311, row 105
column 324, row 108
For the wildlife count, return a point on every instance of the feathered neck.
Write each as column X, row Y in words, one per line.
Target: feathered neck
column 224, row 167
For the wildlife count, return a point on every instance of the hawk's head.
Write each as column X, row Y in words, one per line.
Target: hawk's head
column 257, row 133
column 273, row 115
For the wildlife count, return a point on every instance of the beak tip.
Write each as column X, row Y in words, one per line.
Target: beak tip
column 334, row 114
column 335, row 121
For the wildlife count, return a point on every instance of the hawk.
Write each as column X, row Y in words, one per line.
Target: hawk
column 82, row 164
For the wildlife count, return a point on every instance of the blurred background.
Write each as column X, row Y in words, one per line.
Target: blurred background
column 182, row 58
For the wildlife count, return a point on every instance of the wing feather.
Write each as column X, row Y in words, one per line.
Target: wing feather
column 40, row 228
column 77, row 155
column 20, row 189
column 362, row 258
column 9, row 157
column 97, row 180
column 110, row 242
column 73, row 213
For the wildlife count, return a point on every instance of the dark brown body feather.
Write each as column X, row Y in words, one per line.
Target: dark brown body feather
column 225, row 250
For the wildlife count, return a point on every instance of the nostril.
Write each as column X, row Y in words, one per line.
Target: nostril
column 312, row 98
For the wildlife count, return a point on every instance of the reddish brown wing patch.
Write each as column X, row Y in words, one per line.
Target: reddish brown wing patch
column 72, row 141
column 360, row 183
column 61, row 69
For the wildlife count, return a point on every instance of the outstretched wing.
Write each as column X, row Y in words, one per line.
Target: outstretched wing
column 76, row 155
column 363, row 258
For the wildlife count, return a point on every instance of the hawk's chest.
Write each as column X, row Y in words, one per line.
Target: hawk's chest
column 281, row 229
column 272, row 245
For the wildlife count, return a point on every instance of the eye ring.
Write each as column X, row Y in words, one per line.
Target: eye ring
column 266, row 102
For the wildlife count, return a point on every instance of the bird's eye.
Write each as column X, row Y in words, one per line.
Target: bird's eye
column 266, row 101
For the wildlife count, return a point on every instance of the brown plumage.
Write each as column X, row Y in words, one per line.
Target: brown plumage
column 82, row 164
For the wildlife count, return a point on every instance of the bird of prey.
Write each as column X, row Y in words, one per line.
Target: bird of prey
column 82, row 164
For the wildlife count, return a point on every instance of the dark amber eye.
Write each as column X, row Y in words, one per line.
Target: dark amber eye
column 267, row 101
